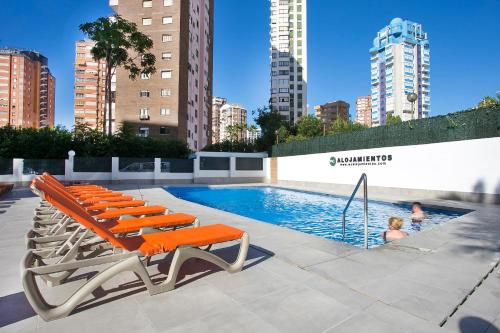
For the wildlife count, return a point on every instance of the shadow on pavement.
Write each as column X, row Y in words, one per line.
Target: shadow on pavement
column 14, row 308
column 476, row 325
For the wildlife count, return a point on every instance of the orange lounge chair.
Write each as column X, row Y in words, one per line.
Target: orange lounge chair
column 151, row 210
column 59, row 233
column 126, row 256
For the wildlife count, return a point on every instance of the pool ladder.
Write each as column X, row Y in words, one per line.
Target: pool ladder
column 363, row 180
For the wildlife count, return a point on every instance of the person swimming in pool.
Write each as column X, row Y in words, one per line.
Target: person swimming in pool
column 417, row 216
column 394, row 232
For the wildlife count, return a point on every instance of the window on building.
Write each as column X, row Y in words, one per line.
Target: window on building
column 166, row 38
column 147, row 21
column 144, row 114
column 164, row 130
column 147, row 3
column 145, row 76
column 166, row 74
column 166, row 92
column 167, row 20
column 143, row 132
column 166, row 55
column 164, row 112
column 144, row 93
column 167, row 3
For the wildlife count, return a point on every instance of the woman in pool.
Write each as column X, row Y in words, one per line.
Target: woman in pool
column 394, row 232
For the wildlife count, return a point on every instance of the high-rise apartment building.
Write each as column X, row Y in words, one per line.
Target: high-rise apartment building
column 90, row 82
column 27, row 89
column 176, row 101
column 328, row 113
column 400, row 65
column 289, row 58
column 364, row 110
column 217, row 103
column 232, row 115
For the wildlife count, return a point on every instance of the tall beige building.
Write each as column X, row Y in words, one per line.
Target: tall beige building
column 232, row 115
column 288, row 34
column 90, row 83
column 217, row 103
column 176, row 101
column 364, row 110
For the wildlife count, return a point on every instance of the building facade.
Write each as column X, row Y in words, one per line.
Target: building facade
column 176, row 101
column 90, row 82
column 328, row 113
column 289, row 58
column 364, row 110
column 217, row 104
column 27, row 89
column 253, row 133
column 400, row 66
column 232, row 115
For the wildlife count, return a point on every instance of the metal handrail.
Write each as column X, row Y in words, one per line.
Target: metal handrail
column 363, row 179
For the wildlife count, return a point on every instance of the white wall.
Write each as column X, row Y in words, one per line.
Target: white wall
column 232, row 173
column 156, row 176
column 460, row 166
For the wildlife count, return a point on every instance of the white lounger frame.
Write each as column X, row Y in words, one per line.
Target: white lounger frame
column 122, row 262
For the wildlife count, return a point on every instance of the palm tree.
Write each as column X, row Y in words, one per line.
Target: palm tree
column 232, row 132
column 241, row 128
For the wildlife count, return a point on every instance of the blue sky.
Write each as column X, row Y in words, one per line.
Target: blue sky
column 464, row 36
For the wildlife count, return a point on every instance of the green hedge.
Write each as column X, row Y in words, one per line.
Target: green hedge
column 465, row 125
column 54, row 143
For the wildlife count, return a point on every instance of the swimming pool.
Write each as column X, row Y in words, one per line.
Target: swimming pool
column 312, row 213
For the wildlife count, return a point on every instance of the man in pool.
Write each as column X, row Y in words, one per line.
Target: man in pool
column 417, row 216
column 394, row 232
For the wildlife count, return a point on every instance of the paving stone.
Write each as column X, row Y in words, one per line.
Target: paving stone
column 300, row 309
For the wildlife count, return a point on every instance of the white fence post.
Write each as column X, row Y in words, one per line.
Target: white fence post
column 17, row 170
column 69, row 166
column 196, row 167
column 232, row 167
column 115, row 169
column 157, row 171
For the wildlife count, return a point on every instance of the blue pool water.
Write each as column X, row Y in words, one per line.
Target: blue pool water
column 312, row 213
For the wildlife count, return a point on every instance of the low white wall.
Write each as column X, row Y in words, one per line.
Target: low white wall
column 232, row 173
column 156, row 176
column 471, row 166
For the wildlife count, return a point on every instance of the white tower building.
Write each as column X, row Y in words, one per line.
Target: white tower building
column 400, row 66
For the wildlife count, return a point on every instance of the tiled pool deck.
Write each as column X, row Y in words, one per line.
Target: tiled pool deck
column 292, row 282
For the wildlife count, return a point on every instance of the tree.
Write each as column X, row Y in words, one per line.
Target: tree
column 119, row 44
column 270, row 121
column 309, row 126
column 240, row 130
column 282, row 134
column 489, row 101
column 341, row 125
column 232, row 133
column 390, row 119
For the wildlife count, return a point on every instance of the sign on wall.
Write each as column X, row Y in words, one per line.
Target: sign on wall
column 365, row 160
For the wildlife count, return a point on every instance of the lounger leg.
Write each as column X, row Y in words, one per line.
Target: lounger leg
column 50, row 312
column 186, row 253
